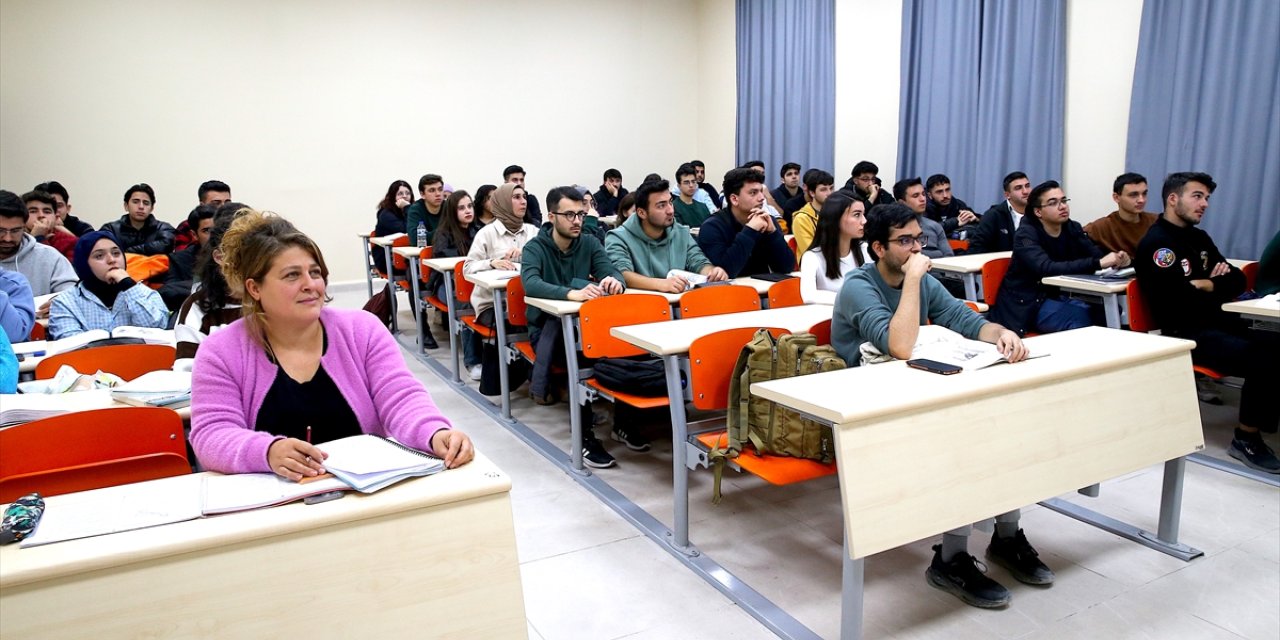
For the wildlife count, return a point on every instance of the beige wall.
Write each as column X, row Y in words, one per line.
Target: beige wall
column 717, row 73
column 311, row 108
column 868, row 80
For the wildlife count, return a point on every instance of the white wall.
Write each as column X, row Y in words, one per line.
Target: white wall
column 1102, row 48
column 311, row 108
column 868, row 81
column 717, row 74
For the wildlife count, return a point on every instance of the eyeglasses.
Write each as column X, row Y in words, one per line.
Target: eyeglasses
column 15, row 231
column 573, row 216
column 906, row 241
column 1055, row 203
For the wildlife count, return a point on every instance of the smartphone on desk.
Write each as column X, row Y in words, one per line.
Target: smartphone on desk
column 933, row 366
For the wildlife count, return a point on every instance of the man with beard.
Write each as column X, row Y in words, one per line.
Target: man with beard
column 650, row 245
column 945, row 209
column 1000, row 222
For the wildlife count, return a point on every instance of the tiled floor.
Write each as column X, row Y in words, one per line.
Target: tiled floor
column 589, row 574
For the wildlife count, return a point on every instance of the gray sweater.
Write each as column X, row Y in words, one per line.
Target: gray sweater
column 47, row 270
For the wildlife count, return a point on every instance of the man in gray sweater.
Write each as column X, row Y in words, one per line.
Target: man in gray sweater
column 45, row 269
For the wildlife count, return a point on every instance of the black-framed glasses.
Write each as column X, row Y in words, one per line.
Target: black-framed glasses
column 573, row 216
column 906, row 241
column 1055, row 203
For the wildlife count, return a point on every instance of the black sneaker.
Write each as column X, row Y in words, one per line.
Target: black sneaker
column 1255, row 454
column 1020, row 558
column 962, row 578
column 428, row 340
column 634, row 441
column 594, row 455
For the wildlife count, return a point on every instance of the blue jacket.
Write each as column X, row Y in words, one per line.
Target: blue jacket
column 741, row 250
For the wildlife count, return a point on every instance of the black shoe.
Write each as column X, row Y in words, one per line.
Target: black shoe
column 428, row 340
column 962, row 578
column 1255, row 454
column 634, row 441
column 594, row 455
column 1020, row 558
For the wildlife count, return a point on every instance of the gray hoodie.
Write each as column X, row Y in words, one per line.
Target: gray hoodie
column 46, row 269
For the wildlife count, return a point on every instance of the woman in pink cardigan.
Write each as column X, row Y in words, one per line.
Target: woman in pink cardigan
column 292, row 372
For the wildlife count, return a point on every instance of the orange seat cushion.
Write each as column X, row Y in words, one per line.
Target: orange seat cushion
column 486, row 333
column 640, row 402
column 778, row 470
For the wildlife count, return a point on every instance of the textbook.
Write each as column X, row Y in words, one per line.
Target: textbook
column 171, row 389
column 246, row 491
column 29, row 407
column 54, row 347
column 969, row 355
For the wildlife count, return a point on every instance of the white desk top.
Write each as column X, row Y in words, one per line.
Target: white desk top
column 761, row 286
column 443, row 264
column 407, row 252
column 365, row 235
column 1239, row 263
column 561, row 308
column 21, row 566
column 968, row 263
column 675, row 336
column 492, row 279
column 893, row 387
column 1256, row 307
column 1091, row 286
column 384, row 241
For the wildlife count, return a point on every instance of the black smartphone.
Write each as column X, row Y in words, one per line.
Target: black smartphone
column 933, row 366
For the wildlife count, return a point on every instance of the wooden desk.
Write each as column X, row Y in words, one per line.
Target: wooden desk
column 1111, row 294
column 1264, row 313
column 1103, row 404
column 968, row 269
column 432, row 556
column 445, row 267
column 671, row 340
column 498, row 285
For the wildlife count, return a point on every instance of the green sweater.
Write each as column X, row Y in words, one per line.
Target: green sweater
column 631, row 249
column 690, row 215
column 417, row 212
column 866, row 304
column 548, row 272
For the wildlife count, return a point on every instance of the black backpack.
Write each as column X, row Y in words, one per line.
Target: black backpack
column 643, row 377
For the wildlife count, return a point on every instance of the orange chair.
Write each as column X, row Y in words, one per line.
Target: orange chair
column 993, row 273
column 791, row 242
column 517, row 315
column 598, row 316
column 90, row 450
column 1250, row 275
column 711, row 361
column 398, row 263
column 785, row 293
column 125, row 360
column 959, row 245
column 710, row 301
column 1140, row 320
column 462, row 289
column 37, row 332
column 822, row 331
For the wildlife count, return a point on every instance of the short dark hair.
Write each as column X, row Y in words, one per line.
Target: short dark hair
column 557, row 194
column 900, row 187
column 513, row 168
column 686, row 169
column 11, row 206
column 625, row 203
column 229, row 209
column 1033, row 200
column 788, row 167
column 815, row 178
column 608, row 173
column 1008, row 180
column 1176, row 181
column 935, row 180
column 430, row 178
column 39, row 196
column 882, row 219
column 752, row 164
column 143, row 187
column 211, row 185
column 653, row 177
column 647, row 189
column 482, row 197
column 865, row 166
column 201, row 212
column 736, row 178
column 1127, row 179
column 54, row 188
column 698, row 164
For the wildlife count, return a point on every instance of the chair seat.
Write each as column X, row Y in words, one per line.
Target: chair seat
column 438, row 303
column 1213, row 374
column 525, row 348
column 639, row 402
column 486, row 333
column 777, row 470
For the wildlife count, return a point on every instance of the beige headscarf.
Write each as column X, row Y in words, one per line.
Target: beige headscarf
column 501, row 200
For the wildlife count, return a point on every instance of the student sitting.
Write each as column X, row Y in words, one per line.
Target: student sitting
column 885, row 303
column 454, row 237
column 17, row 307
column 426, row 210
column 951, row 212
column 689, row 211
column 837, row 249
column 788, row 191
column 996, row 228
column 561, row 264
column 42, row 223
column 1122, row 229
column 499, row 245
column 742, row 238
column 818, row 185
column 182, row 263
column 1048, row 243
column 910, row 191
column 138, row 231
column 626, row 209
column 649, row 245
column 66, row 222
column 591, row 225
column 611, row 192
column 391, row 218
column 483, row 208
column 212, row 193
column 44, row 268
column 106, row 296
column 211, row 306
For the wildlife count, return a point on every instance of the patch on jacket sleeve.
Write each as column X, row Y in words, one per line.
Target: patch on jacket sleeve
column 1164, row 258
column 1186, row 267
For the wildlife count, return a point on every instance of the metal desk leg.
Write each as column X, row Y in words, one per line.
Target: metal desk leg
column 391, row 281
column 575, row 399
column 455, row 325
column 1171, row 500
column 418, row 307
column 368, row 274
column 500, row 322
column 971, row 287
column 851, row 583
column 1111, row 304
column 680, row 473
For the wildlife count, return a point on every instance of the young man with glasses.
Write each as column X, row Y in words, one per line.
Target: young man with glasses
column 46, row 270
column 562, row 264
column 1049, row 243
column 885, row 302
column 690, row 211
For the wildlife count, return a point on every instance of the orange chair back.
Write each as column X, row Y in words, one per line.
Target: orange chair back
column 90, row 450
column 711, row 360
column 397, row 260
column 37, row 332
column 517, row 308
column 791, row 242
column 598, row 316
column 992, row 275
column 426, row 253
column 1250, row 275
column 125, row 360
column 785, row 294
column 461, row 286
column 1139, row 315
column 959, row 245
column 710, row 301
column 822, row 331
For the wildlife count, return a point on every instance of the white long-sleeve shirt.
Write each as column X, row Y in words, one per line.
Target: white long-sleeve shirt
column 815, row 286
column 492, row 243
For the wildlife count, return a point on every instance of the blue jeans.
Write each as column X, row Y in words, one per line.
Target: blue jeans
column 1062, row 314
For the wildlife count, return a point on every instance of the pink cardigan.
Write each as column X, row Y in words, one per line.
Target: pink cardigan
column 232, row 375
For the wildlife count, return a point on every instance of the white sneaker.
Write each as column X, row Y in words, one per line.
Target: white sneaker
column 474, row 372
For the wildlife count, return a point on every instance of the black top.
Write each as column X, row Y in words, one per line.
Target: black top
column 1037, row 255
column 291, row 406
column 1168, row 258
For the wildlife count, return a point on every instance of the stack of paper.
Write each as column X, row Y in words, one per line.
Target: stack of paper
column 156, row 389
column 369, row 463
column 26, row 407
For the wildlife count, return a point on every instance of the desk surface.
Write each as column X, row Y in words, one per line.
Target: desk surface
column 407, row 252
column 1256, row 307
column 491, row 279
column 968, row 263
column 1091, row 286
column 675, row 336
column 560, row 308
column 384, row 241
column 443, row 264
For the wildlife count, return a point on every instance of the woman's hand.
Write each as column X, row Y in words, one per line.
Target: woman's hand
column 116, row 275
column 453, row 446
column 294, row 459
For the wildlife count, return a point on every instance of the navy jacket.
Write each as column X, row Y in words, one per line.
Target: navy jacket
column 1036, row 256
column 741, row 250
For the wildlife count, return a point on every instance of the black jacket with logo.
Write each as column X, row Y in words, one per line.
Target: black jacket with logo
column 1168, row 258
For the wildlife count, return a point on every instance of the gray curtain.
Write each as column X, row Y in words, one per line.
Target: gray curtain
column 1206, row 97
column 786, row 84
column 983, row 93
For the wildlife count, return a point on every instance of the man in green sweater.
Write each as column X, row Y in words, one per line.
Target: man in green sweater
column 427, row 209
column 560, row 263
column 649, row 245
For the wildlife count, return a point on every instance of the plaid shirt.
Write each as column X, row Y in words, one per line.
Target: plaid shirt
column 77, row 310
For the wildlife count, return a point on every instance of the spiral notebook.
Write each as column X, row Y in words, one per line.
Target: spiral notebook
column 369, row 462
